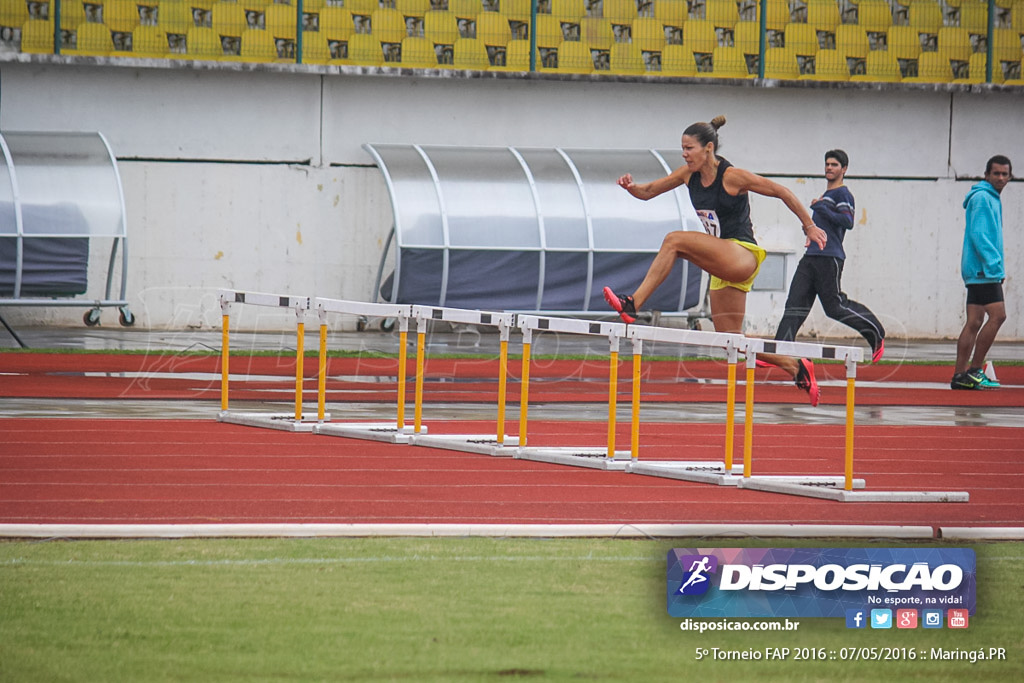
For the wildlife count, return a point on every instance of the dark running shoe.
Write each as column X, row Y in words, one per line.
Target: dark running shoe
column 878, row 352
column 982, row 380
column 623, row 305
column 963, row 380
column 805, row 380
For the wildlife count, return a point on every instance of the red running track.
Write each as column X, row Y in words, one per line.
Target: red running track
column 77, row 471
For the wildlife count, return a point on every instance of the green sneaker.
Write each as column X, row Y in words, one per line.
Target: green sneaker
column 963, row 380
column 982, row 380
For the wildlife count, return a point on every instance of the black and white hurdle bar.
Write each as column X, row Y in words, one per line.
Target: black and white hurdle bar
column 389, row 432
column 296, row 422
column 499, row 443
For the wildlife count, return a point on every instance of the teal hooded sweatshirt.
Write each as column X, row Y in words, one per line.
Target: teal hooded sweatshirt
column 982, row 258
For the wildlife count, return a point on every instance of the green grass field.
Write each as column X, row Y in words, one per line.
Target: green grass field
column 453, row 609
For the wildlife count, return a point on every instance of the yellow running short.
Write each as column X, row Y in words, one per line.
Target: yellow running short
column 759, row 253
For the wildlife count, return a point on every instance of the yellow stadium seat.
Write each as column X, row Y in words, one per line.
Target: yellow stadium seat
column 801, row 38
column 365, row 49
column 229, row 19
column 441, row 27
column 515, row 9
column 925, row 15
column 37, row 37
column 625, row 58
column 492, row 28
column 549, row 31
column 120, row 15
column 747, row 35
column 258, row 46
column 92, row 39
column 574, row 57
column 780, row 62
column 672, row 12
column 699, row 35
column 174, row 16
column 829, row 65
column 517, row 56
column 597, row 32
column 851, row 40
column 336, row 22
column 388, row 25
column 1017, row 17
column 203, row 43
column 411, row 8
column 954, row 42
column 572, row 10
column 14, row 13
column 777, row 14
column 874, row 15
column 932, row 68
column 722, row 12
column 649, row 33
column 72, row 13
column 677, row 60
column 974, row 16
column 418, row 53
column 880, row 66
column 904, row 42
column 823, row 15
column 471, row 53
column 149, row 41
column 730, row 62
column 620, row 11
column 315, row 49
column 279, row 21
column 1006, row 45
column 361, row 6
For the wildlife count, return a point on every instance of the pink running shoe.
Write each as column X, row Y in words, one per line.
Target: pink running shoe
column 623, row 305
column 879, row 351
column 805, row 380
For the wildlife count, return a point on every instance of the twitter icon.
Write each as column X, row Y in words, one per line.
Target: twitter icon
column 881, row 618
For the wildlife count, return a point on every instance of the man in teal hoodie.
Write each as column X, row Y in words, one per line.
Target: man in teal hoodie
column 982, row 268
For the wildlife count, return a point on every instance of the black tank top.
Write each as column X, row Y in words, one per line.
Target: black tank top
column 722, row 214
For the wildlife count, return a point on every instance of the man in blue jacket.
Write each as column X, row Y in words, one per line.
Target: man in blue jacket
column 983, row 271
column 820, row 271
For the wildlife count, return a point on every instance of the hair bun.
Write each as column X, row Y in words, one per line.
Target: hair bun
column 718, row 122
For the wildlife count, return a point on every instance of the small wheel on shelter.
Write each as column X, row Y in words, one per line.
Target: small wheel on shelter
column 387, row 324
column 125, row 317
column 91, row 317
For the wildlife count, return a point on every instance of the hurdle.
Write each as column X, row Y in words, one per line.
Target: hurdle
column 497, row 444
column 388, row 432
column 606, row 458
column 298, row 421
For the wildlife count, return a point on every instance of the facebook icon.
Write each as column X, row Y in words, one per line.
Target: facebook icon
column 856, row 618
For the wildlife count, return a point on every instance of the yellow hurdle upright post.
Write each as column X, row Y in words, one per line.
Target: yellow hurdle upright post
column 524, row 390
column 748, row 418
column 224, row 355
column 634, row 431
column 403, row 337
column 613, row 387
column 730, row 408
column 851, row 376
column 502, row 382
column 421, row 336
column 300, row 338
column 321, row 377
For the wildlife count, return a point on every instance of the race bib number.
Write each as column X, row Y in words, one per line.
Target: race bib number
column 710, row 221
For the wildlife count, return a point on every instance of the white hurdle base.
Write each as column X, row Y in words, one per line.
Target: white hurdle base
column 704, row 472
column 484, row 444
column 283, row 421
column 844, row 496
column 388, row 432
column 583, row 456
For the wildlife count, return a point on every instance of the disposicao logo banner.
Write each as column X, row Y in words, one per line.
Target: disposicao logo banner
column 817, row 582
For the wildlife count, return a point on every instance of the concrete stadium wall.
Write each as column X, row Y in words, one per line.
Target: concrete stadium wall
column 253, row 176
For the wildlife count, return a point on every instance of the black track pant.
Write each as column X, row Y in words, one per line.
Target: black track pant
column 820, row 276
